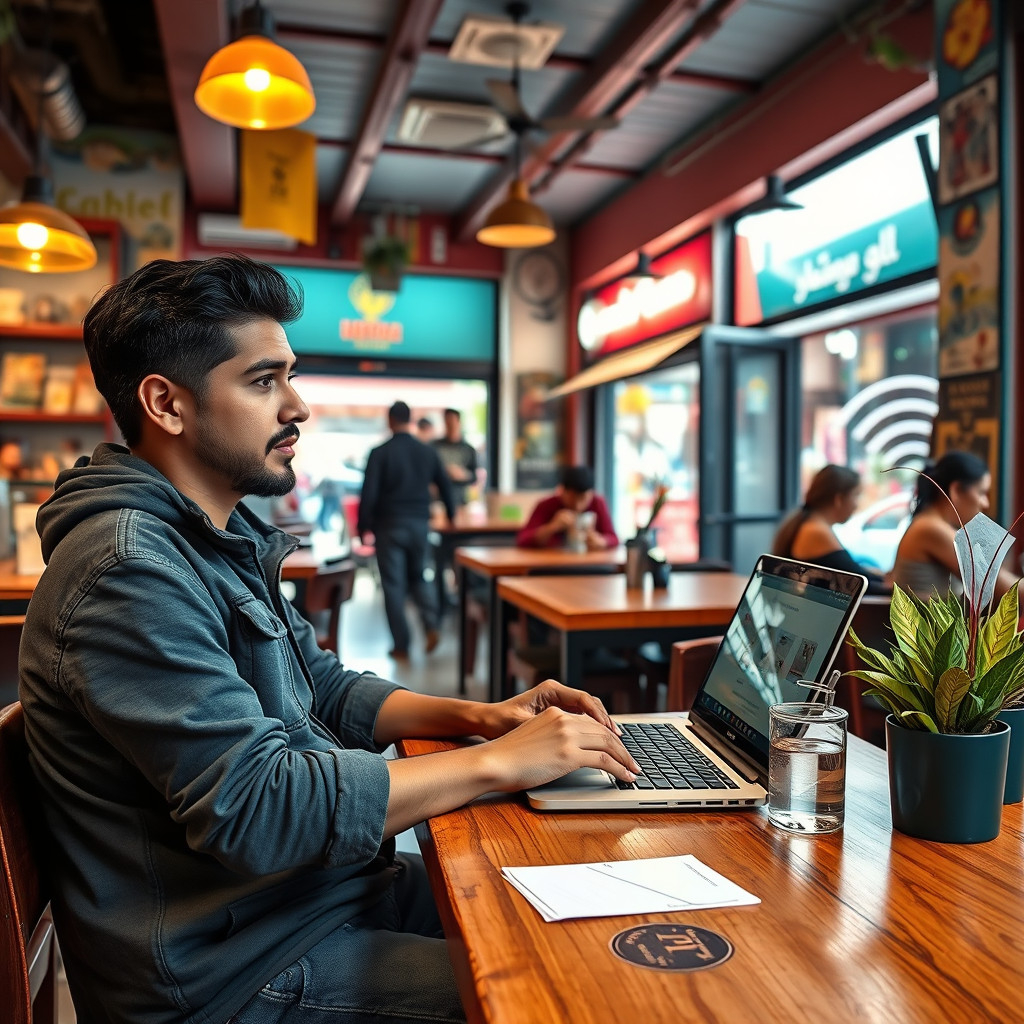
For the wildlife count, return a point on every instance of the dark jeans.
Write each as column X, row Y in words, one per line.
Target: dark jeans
column 401, row 555
column 388, row 965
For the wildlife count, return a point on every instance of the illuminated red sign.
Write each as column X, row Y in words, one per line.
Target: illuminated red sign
column 637, row 309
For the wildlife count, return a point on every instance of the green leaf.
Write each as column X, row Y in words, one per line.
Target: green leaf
column 1000, row 630
column 950, row 651
column 1001, row 676
column 894, row 691
column 917, row 720
column 905, row 618
column 950, row 690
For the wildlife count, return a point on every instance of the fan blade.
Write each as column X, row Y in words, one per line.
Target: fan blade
column 578, row 124
column 506, row 98
column 483, row 140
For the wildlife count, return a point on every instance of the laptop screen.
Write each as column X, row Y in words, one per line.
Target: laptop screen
column 789, row 624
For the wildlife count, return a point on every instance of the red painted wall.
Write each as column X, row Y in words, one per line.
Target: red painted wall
column 820, row 106
column 341, row 247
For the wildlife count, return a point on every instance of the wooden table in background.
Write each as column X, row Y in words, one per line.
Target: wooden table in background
column 493, row 563
column 865, row 926
column 470, row 527
column 594, row 612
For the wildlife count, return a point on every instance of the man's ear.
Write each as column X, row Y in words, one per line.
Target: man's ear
column 163, row 403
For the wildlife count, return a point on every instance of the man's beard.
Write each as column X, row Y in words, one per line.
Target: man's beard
column 246, row 470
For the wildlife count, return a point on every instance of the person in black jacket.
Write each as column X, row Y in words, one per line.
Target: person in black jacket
column 395, row 507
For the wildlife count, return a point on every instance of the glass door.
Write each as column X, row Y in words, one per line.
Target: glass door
column 749, row 439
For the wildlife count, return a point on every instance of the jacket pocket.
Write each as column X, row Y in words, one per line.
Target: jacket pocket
column 264, row 659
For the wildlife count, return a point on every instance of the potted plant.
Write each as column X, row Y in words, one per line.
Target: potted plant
column 384, row 259
column 638, row 547
column 949, row 674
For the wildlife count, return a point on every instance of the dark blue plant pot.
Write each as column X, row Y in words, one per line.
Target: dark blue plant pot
column 947, row 787
column 1013, row 792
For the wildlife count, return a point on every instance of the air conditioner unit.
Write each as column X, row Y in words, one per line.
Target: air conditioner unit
column 446, row 125
column 497, row 42
column 225, row 231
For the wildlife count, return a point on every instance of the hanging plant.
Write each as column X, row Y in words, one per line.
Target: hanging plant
column 385, row 256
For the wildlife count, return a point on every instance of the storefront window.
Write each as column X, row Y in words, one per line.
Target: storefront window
column 869, row 398
column 348, row 417
column 655, row 421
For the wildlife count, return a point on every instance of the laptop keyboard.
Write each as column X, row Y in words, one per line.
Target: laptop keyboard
column 668, row 759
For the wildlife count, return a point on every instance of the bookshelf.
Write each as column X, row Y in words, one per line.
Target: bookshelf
column 49, row 408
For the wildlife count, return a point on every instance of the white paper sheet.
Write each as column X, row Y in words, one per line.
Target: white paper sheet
column 611, row 888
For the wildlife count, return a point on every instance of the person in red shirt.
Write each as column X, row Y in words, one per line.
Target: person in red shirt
column 555, row 517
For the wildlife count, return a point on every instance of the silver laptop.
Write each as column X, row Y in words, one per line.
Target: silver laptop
column 789, row 625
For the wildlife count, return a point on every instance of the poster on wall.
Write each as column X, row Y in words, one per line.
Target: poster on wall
column 128, row 175
column 968, row 419
column 969, row 275
column 969, row 141
column 538, row 432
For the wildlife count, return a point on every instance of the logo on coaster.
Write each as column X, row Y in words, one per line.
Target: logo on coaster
column 672, row 947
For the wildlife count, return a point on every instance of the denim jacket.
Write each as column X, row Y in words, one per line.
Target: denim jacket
column 214, row 798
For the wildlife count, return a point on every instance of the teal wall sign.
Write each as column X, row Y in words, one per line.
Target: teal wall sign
column 436, row 318
column 902, row 244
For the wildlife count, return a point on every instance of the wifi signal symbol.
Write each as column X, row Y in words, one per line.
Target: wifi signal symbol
column 892, row 418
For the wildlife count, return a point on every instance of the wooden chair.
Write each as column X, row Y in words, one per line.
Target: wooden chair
column 326, row 592
column 10, row 640
column 688, row 667
column 28, row 949
column 871, row 624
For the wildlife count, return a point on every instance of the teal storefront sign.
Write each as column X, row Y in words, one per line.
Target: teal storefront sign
column 436, row 318
column 902, row 244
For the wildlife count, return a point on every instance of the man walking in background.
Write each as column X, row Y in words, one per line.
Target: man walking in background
column 457, row 454
column 395, row 507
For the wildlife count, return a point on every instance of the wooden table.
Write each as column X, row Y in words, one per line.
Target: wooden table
column 469, row 527
column 493, row 563
column 603, row 612
column 865, row 925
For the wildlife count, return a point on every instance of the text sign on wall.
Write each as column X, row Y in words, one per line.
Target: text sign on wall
column 627, row 312
column 902, row 244
column 435, row 318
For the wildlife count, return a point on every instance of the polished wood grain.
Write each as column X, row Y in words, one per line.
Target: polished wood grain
column 605, row 602
column 865, row 925
column 299, row 565
column 511, row 561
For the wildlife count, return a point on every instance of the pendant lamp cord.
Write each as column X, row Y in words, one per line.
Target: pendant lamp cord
column 41, row 85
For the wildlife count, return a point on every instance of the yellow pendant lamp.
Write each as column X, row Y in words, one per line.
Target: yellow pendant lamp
column 253, row 82
column 517, row 223
column 37, row 237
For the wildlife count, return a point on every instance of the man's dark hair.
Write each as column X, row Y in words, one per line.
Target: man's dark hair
column 175, row 319
column 400, row 414
column 577, row 479
column 453, row 412
column 423, row 423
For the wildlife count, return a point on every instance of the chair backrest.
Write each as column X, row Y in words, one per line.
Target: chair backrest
column 688, row 665
column 871, row 624
column 10, row 639
column 28, row 951
column 327, row 591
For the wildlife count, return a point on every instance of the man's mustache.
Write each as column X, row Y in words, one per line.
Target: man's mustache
column 282, row 436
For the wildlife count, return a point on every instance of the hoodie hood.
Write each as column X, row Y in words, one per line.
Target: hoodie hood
column 112, row 478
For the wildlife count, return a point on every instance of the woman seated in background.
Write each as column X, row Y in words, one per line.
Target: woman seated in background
column 926, row 558
column 807, row 534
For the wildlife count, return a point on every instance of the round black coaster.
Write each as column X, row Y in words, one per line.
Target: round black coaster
column 672, row 947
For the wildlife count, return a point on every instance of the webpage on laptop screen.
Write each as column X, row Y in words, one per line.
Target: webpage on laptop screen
column 782, row 631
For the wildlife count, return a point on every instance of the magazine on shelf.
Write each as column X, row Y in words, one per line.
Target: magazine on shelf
column 21, row 380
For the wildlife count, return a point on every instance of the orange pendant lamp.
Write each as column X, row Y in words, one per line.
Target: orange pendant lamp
column 253, row 82
column 517, row 223
column 37, row 237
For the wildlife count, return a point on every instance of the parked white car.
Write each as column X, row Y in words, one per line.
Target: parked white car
column 873, row 535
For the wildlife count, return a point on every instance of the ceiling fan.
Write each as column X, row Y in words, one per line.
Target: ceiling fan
column 506, row 99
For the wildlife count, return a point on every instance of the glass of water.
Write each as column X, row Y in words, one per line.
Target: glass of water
column 807, row 767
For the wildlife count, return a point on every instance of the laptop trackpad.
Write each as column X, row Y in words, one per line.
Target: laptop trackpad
column 582, row 778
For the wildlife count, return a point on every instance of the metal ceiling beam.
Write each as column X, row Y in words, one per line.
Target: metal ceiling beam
column 191, row 31
column 702, row 29
column 648, row 32
column 288, row 33
column 608, row 170
column 410, row 35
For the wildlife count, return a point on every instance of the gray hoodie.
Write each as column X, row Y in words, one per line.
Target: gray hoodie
column 214, row 798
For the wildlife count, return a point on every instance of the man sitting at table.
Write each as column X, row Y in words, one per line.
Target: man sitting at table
column 220, row 816
column 555, row 517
